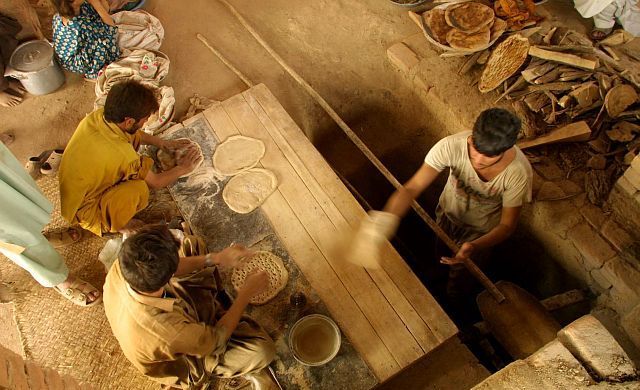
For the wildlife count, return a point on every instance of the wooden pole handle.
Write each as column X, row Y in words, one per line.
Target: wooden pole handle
column 470, row 265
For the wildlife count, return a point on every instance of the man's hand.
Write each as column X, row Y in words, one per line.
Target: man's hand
column 190, row 160
column 175, row 144
column 465, row 252
column 255, row 284
column 232, row 256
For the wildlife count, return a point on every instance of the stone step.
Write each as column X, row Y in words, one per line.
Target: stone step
column 591, row 343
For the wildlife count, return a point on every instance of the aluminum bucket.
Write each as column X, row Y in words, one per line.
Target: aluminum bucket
column 34, row 64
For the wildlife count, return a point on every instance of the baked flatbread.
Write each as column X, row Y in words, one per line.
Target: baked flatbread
column 497, row 28
column 249, row 189
column 469, row 17
column 262, row 261
column 169, row 159
column 436, row 22
column 236, row 154
column 505, row 60
column 463, row 41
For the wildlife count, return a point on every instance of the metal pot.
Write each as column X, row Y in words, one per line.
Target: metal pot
column 34, row 64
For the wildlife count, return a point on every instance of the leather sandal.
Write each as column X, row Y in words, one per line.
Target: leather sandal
column 74, row 294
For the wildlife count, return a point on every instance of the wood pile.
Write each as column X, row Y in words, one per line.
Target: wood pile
column 567, row 82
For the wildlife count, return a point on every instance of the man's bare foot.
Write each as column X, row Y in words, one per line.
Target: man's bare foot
column 17, row 87
column 91, row 293
column 9, row 100
column 7, row 137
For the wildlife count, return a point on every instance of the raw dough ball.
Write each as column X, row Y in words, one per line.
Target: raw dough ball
column 248, row 190
column 262, row 261
column 168, row 160
column 237, row 154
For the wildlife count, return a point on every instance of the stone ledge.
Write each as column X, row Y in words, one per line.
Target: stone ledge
column 558, row 367
column 591, row 343
column 517, row 375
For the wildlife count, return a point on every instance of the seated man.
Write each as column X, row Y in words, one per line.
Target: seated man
column 605, row 13
column 103, row 180
column 489, row 181
column 164, row 311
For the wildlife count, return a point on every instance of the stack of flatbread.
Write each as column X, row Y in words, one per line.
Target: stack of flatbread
column 467, row 26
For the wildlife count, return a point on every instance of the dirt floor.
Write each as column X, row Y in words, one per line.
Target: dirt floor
column 338, row 46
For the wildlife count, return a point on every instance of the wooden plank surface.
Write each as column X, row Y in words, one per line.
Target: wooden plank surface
column 387, row 314
column 416, row 325
column 319, row 274
column 420, row 298
column 300, row 198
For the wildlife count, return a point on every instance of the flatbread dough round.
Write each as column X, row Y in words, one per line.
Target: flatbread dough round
column 249, row 189
column 262, row 261
column 498, row 27
column 237, row 154
column 168, row 160
column 463, row 41
column 469, row 17
column 437, row 24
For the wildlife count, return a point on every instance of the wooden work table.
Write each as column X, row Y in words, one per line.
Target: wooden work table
column 387, row 314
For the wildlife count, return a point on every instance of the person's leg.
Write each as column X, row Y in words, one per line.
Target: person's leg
column 7, row 99
column 604, row 21
column 48, row 268
column 120, row 204
column 42, row 261
column 250, row 349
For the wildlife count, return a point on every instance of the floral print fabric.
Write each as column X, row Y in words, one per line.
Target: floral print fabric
column 86, row 44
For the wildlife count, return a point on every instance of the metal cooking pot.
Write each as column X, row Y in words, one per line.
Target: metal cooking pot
column 34, row 64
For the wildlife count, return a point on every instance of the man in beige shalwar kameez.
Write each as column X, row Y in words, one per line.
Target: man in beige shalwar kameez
column 164, row 311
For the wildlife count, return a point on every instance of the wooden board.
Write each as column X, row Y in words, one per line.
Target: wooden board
column 578, row 131
column 387, row 314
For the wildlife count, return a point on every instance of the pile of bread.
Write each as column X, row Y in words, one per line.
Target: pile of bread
column 468, row 26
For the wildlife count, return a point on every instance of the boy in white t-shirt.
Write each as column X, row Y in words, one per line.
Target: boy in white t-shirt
column 489, row 181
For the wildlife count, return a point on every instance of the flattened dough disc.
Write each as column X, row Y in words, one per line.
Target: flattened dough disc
column 237, row 154
column 169, row 160
column 247, row 190
column 262, row 261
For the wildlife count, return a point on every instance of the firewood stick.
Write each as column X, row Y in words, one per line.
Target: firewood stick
column 563, row 58
column 469, row 264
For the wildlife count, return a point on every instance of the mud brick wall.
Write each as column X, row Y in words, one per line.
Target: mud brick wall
column 16, row 373
column 598, row 247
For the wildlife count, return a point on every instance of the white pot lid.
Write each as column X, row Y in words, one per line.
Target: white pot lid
column 31, row 56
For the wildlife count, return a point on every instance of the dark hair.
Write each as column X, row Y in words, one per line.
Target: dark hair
column 149, row 258
column 129, row 99
column 64, row 8
column 495, row 131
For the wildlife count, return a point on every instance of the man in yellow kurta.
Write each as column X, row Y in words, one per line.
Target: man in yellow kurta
column 103, row 180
